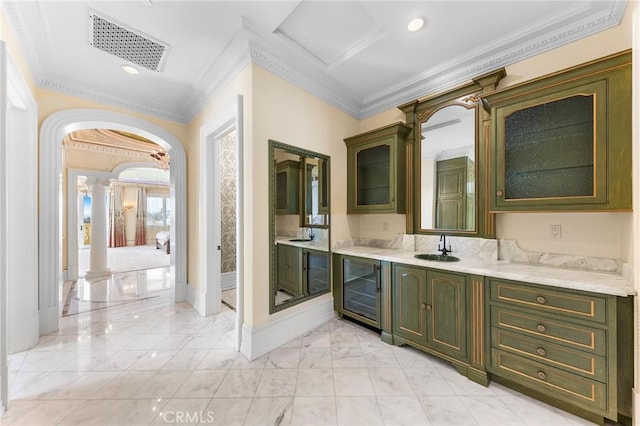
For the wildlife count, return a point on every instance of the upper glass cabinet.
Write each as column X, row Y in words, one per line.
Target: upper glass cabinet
column 563, row 142
column 376, row 170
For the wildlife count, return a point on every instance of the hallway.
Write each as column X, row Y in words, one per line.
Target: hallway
column 150, row 361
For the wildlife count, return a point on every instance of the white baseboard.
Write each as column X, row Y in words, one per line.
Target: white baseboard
column 48, row 320
column 196, row 299
column 228, row 280
column 296, row 321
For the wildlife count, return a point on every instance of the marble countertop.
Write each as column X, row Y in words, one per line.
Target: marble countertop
column 313, row 244
column 597, row 282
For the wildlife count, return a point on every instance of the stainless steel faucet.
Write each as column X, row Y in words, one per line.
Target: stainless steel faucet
column 311, row 236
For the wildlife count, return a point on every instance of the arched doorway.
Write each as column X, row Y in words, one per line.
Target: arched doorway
column 53, row 130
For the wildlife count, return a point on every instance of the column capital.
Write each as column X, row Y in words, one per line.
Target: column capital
column 99, row 181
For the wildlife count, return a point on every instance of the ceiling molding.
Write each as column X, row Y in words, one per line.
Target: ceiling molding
column 250, row 46
column 77, row 145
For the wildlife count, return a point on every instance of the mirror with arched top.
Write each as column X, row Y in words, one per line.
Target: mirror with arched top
column 447, row 168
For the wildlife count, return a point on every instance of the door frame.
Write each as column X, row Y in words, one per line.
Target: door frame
column 15, row 94
column 52, row 131
column 229, row 118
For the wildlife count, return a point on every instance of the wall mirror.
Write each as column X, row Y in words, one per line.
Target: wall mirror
column 446, row 165
column 299, row 211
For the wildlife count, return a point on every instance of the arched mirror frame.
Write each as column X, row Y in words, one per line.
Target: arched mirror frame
column 469, row 95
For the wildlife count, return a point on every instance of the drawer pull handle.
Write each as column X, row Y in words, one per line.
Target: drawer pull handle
column 541, row 300
column 499, row 193
column 541, row 375
column 541, row 351
column 423, row 306
column 428, row 307
column 542, row 328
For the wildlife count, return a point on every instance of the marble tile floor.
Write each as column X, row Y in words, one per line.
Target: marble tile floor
column 154, row 362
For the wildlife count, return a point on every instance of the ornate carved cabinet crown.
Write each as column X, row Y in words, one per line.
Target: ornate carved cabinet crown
column 563, row 141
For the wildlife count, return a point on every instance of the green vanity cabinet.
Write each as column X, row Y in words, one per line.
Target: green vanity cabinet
column 287, row 189
column 570, row 348
column 376, row 170
column 289, row 272
column 563, row 142
column 430, row 309
column 361, row 290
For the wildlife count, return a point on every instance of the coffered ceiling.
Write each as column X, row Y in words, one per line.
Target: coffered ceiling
column 356, row 55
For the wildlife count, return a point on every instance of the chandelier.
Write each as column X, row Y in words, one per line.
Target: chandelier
column 161, row 159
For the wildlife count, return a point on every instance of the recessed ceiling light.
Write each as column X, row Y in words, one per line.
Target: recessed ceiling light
column 415, row 24
column 130, row 69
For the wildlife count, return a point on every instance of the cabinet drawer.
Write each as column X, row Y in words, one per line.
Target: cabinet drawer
column 552, row 381
column 579, row 306
column 553, row 330
column 573, row 361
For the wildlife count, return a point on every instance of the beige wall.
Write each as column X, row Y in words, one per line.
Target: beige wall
column 592, row 234
column 287, row 114
column 216, row 105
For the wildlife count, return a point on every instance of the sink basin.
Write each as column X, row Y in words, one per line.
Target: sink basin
column 299, row 240
column 437, row 257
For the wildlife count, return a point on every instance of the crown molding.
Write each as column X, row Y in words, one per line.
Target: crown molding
column 103, row 149
column 250, row 46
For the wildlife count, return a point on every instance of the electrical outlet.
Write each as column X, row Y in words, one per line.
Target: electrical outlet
column 556, row 231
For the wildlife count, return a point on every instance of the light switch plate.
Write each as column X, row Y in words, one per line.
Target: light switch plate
column 556, row 231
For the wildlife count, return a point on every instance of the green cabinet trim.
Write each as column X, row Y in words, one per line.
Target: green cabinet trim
column 546, row 155
column 376, row 170
column 288, row 187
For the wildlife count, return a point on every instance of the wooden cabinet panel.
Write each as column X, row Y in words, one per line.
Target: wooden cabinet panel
column 409, row 295
column 446, row 306
column 289, row 270
column 376, row 170
column 578, row 306
column 557, row 145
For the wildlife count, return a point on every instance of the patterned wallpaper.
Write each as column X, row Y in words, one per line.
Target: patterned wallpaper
column 228, row 199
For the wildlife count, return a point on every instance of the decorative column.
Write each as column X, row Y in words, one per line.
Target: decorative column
column 98, row 251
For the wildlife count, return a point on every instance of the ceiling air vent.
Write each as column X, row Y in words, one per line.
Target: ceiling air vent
column 124, row 42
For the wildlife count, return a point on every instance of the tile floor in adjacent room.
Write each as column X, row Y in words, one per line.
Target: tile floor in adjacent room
column 155, row 362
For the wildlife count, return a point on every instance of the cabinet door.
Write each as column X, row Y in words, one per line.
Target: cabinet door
column 409, row 303
column 289, row 276
column 376, row 170
column 288, row 187
column 361, row 289
column 447, row 313
column 316, row 271
column 563, row 142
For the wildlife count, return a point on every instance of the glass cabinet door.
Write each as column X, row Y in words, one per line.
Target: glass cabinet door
column 317, row 271
column 361, row 288
column 373, row 178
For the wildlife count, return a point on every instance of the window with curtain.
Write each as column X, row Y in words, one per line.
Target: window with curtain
column 158, row 211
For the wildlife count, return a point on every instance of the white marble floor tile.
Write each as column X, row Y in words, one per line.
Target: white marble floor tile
column 283, row 358
column 277, row 382
column 163, row 384
column 358, row 411
column 447, row 411
column 203, row 341
column 315, row 357
column 352, row 382
column 120, row 361
column 40, row 413
column 185, row 359
column 239, row 383
column 344, row 338
column 47, row 385
column 270, row 411
column 241, row 362
column 315, row 382
column 314, row 411
column 377, row 357
column 535, row 413
column 317, row 338
column 491, row 411
column 115, row 412
column 428, row 382
column 86, row 386
column 146, row 342
column 229, row 411
column 390, row 382
column 153, row 360
column 201, row 384
column 399, row 410
column 347, row 357
column 217, row 359
column 412, row 358
column 125, row 385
